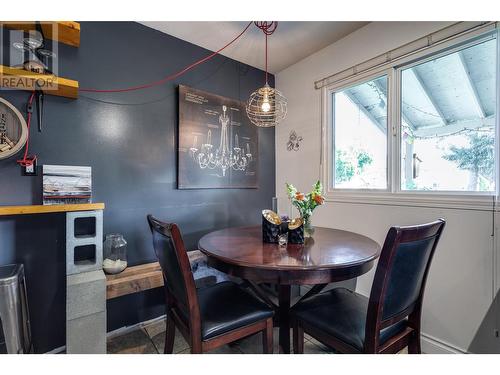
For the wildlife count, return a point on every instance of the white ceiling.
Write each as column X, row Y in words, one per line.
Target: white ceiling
column 291, row 42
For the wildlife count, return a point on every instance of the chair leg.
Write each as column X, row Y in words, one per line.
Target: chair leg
column 414, row 344
column 298, row 337
column 196, row 348
column 169, row 336
column 267, row 337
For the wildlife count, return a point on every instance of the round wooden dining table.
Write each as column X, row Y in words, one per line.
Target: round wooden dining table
column 331, row 255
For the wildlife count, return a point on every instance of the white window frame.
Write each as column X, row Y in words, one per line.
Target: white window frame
column 394, row 194
column 330, row 91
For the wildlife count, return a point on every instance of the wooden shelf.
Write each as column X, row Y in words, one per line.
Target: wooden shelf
column 40, row 209
column 21, row 79
column 134, row 279
column 68, row 32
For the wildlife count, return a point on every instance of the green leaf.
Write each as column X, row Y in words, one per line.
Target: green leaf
column 478, row 157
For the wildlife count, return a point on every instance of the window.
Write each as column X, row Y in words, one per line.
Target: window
column 448, row 122
column 427, row 125
column 360, row 135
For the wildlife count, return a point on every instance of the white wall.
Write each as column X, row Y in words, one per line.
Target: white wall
column 458, row 308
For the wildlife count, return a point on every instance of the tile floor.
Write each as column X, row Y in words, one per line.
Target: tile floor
column 150, row 339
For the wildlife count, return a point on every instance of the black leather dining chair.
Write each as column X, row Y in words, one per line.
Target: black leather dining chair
column 208, row 317
column 390, row 319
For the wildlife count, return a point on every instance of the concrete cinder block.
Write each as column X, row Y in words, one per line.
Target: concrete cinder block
column 72, row 242
column 85, row 290
column 86, row 335
column 85, row 294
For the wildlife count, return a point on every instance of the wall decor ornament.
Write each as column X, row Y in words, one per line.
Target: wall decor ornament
column 266, row 106
column 13, row 130
column 294, row 140
column 218, row 147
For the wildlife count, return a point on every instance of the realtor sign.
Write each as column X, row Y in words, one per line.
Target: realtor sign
column 28, row 60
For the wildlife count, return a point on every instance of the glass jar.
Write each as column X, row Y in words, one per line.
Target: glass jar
column 115, row 254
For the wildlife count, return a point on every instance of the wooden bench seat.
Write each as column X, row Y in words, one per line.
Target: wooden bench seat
column 134, row 279
column 149, row 276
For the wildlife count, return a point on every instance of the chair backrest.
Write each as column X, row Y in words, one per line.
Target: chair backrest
column 179, row 281
column 401, row 274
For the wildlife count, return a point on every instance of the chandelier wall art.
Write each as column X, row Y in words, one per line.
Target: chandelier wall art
column 223, row 157
column 218, row 146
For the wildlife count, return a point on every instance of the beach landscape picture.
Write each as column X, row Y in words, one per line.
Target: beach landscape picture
column 65, row 184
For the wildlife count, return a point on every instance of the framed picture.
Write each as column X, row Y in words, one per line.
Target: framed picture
column 66, row 184
column 218, row 146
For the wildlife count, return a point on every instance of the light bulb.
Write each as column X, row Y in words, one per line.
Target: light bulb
column 266, row 106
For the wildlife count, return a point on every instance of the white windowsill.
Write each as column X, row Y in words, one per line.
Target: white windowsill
column 477, row 202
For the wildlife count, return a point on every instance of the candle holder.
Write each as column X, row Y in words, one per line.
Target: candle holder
column 271, row 226
column 296, row 231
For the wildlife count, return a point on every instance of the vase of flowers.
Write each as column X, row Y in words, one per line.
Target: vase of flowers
column 306, row 203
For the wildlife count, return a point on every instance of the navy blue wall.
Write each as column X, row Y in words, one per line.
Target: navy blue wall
column 129, row 139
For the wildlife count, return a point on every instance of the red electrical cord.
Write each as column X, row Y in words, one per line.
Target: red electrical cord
column 268, row 28
column 175, row 75
column 266, row 59
column 27, row 161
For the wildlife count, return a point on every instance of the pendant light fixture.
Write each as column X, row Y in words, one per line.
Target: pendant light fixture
column 266, row 106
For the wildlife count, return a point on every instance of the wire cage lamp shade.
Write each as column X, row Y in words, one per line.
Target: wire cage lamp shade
column 266, row 107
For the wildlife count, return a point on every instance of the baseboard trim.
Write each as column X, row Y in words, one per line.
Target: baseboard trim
column 431, row 345
column 115, row 333
column 57, row 350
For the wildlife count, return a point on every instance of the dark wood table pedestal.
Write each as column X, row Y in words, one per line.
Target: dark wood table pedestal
column 331, row 256
column 282, row 309
column 284, row 297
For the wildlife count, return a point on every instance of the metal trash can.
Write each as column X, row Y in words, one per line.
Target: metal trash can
column 15, row 332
